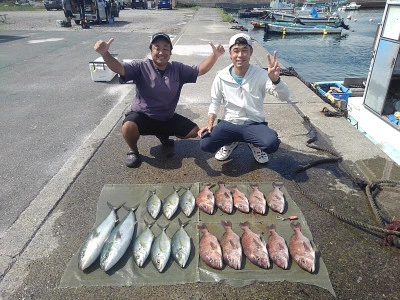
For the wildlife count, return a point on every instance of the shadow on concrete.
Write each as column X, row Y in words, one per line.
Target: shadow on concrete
column 10, row 38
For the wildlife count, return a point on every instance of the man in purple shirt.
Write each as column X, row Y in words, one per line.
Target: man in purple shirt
column 158, row 86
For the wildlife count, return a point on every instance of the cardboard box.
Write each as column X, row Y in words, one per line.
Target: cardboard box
column 100, row 71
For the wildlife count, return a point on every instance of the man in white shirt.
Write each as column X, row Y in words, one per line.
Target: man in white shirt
column 240, row 90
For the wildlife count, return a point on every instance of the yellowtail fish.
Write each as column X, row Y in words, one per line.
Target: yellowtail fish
column 170, row 204
column 153, row 205
column 91, row 248
column 187, row 202
column 119, row 240
column 142, row 245
column 161, row 249
column 181, row 246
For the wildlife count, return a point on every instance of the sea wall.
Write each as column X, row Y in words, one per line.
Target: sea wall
column 240, row 4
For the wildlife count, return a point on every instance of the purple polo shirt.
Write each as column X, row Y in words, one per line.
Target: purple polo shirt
column 157, row 96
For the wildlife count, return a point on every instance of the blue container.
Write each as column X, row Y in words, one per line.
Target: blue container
column 325, row 87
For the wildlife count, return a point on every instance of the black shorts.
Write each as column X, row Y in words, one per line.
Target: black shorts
column 177, row 126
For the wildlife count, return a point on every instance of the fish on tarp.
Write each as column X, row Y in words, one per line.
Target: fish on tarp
column 187, row 202
column 181, row 245
column 231, row 248
column 205, row 200
column 119, row 240
column 170, row 204
column 301, row 250
column 91, row 248
column 223, row 198
column 276, row 199
column 210, row 249
column 161, row 249
column 254, row 247
column 240, row 200
column 257, row 200
column 153, row 205
column 142, row 245
column 277, row 248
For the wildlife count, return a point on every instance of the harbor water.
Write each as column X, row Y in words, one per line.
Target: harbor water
column 330, row 57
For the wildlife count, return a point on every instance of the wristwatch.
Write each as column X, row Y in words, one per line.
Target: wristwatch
column 276, row 82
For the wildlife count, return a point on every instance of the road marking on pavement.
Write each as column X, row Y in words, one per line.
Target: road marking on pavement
column 45, row 40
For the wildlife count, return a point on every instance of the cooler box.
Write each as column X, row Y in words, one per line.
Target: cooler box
column 100, row 71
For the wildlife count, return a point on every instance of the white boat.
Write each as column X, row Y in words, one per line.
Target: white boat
column 293, row 28
column 377, row 112
column 350, row 6
column 282, row 16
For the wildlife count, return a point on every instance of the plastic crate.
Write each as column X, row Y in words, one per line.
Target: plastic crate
column 324, row 88
column 99, row 71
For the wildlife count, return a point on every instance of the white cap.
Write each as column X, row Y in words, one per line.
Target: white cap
column 233, row 39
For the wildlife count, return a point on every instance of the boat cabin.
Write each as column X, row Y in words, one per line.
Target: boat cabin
column 281, row 5
column 378, row 111
column 383, row 86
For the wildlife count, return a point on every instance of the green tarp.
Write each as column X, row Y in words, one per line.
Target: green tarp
column 127, row 273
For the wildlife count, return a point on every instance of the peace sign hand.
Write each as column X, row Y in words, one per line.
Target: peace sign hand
column 273, row 67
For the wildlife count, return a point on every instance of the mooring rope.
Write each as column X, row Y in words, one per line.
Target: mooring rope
column 368, row 187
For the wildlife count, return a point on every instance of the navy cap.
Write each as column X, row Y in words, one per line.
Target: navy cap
column 161, row 35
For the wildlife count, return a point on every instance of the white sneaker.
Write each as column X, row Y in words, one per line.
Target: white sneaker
column 225, row 151
column 259, row 155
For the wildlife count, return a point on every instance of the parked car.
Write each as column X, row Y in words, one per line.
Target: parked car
column 139, row 4
column 53, row 4
column 127, row 3
column 165, row 4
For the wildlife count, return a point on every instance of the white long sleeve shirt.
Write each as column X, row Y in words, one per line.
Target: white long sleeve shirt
column 243, row 103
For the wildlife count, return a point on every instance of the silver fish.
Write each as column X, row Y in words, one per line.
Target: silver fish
column 231, row 247
column 181, row 246
column 301, row 250
column 170, row 204
column 277, row 248
column 187, row 202
column 161, row 250
column 119, row 240
column 276, row 200
column 153, row 205
column 91, row 248
column 142, row 245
